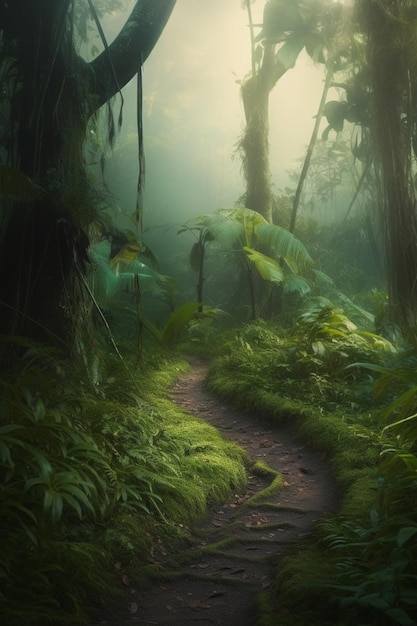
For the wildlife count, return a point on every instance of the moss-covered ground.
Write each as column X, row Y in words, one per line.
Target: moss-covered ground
column 359, row 567
column 101, row 472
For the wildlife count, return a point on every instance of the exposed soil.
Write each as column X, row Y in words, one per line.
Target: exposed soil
column 220, row 586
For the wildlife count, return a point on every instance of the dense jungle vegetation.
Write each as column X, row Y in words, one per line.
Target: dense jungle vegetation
column 308, row 322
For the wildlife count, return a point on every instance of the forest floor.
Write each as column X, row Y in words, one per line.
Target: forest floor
column 237, row 546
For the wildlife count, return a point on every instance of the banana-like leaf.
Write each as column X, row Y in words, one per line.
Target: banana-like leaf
column 154, row 330
column 268, row 268
column 126, row 255
column 15, row 184
column 232, row 226
column 108, row 283
column 377, row 341
column 175, row 322
column 285, row 245
column 294, row 283
column 322, row 279
column 223, row 229
column 127, row 282
column 347, row 302
column 247, row 219
column 290, row 50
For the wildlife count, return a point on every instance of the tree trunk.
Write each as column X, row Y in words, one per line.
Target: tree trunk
column 254, row 144
column 53, row 92
column 311, row 145
column 389, row 58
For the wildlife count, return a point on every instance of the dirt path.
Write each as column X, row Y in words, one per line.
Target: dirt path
column 242, row 544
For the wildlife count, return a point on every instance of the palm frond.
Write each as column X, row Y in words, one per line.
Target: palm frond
column 294, row 283
column 322, row 279
column 176, row 321
column 229, row 226
column 268, row 268
column 224, row 230
column 285, row 245
column 108, row 282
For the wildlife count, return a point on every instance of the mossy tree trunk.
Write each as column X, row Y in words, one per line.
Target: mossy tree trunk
column 392, row 70
column 49, row 94
column 254, row 144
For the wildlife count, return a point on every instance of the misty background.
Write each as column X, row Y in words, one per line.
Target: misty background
column 193, row 118
column 193, row 114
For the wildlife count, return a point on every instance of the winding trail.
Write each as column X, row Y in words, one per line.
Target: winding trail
column 239, row 544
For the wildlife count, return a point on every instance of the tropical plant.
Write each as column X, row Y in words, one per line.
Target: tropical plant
column 245, row 234
column 374, row 569
column 375, row 559
column 123, row 286
column 176, row 321
column 334, row 340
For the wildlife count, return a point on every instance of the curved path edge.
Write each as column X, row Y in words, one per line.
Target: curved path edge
column 237, row 546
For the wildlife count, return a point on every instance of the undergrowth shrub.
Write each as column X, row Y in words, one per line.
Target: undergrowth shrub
column 352, row 395
column 90, row 473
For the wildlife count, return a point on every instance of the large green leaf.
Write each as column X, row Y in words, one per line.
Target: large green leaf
column 290, row 50
column 285, row 245
column 268, row 268
column 109, row 282
column 175, row 322
column 294, row 283
column 196, row 256
column 126, row 255
column 222, row 229
column 233, row 226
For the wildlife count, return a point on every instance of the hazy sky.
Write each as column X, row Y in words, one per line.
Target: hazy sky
column 193, row 114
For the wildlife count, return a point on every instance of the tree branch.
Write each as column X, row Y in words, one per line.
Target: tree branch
column 129, row 50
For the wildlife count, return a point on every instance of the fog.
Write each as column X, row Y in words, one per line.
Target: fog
column 193, row 115
column 193, row 119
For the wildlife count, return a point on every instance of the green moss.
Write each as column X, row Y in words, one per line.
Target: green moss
column 322, row 411
column 361, row 495
column 144, row 470
column 271, row 490
column 261, row 469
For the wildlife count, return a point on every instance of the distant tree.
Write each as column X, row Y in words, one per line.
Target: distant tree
column 392, row 66
column 288, row 27
column 48, row 94
column 380, row 99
